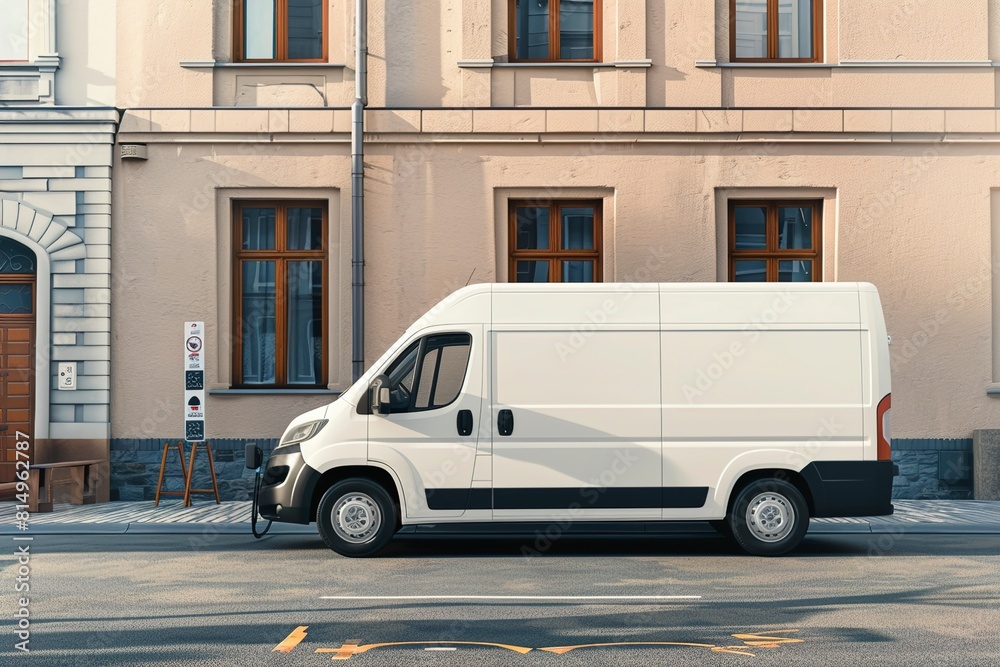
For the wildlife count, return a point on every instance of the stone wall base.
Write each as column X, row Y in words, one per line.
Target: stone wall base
column 135, row 467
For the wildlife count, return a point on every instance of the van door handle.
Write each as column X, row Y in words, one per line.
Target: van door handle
column 505, row 422
column 464, row 422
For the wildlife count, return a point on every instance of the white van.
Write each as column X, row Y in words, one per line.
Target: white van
column 752, row 406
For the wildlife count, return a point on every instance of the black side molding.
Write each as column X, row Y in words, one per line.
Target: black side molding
column 651, row 497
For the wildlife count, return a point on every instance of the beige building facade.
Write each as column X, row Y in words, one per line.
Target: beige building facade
column 631, row 141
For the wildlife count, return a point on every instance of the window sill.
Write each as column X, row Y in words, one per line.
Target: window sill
column 621, row 64
column 707, row 64
column 848, row 64
column 273, row 392
column 211, row 64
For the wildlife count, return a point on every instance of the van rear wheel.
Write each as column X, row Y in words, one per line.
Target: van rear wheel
column 356, row 518
column 769, row 517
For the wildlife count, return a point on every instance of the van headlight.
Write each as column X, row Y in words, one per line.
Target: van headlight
column 302, row 432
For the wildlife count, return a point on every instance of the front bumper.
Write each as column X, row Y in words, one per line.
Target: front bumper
column 289, row 483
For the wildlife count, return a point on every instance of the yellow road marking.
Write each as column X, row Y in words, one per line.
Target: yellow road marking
column 566, row 649
column 292, row 640
column 353, row 647
column 350, row 648
column 766, row 641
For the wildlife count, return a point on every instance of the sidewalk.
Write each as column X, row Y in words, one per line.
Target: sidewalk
column 911, row 516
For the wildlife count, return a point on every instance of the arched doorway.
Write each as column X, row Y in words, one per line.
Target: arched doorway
column 18, row 296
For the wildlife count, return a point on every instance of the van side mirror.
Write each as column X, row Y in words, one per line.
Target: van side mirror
column 378, row 395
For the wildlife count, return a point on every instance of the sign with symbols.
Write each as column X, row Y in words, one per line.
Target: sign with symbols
column 194, row 381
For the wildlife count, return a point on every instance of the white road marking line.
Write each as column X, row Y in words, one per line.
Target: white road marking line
column 440, row 648
column 510, row 597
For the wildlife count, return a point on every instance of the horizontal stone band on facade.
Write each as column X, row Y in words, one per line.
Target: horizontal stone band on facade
column 607, row 120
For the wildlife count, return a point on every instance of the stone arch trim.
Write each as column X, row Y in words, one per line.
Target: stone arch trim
column 42, row 231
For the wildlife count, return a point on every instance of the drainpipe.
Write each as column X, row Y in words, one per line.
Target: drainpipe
column 358, row 190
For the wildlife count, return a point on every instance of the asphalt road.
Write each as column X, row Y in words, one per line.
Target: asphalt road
column 214, row 599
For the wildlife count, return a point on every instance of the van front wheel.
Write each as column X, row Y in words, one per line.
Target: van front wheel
column 770, row 517
column 356, row 518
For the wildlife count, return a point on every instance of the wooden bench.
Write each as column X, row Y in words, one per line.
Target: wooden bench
column 82, row 483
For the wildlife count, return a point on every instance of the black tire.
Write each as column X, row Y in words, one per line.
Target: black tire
column 778, row 522
column 364, row 507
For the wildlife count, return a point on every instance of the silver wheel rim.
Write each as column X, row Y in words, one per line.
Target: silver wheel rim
column 770, row 517
column 356, row 518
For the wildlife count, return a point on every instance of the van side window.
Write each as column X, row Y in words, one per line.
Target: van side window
column 429, row 373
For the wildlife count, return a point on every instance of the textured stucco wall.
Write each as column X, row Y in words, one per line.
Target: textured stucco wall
column 935, row 30
column 914, row 218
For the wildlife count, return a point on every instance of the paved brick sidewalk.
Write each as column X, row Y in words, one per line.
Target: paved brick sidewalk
column 913, row 516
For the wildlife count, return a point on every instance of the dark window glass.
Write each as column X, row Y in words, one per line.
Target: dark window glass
column 750, row 228
column 577, row 228
column 305, row 323
column 578, row 271
column 305, row 228
column 751, row 28
column 259, row 326
column 532, row 271
column 16, row 298
column 450, row 373
column 532, row 19
column 532, row 228
column 258, row 228
column 795, row 28
column 751, row 271
column 305, row 29
column 15, row 257
column 795, row 271
column 576, row 29
column 795, row 227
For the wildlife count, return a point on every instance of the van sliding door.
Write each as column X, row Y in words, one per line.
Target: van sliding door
column 575, row 423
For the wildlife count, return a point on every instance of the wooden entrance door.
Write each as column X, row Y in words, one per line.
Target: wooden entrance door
column 17, row 351
column 17, row 395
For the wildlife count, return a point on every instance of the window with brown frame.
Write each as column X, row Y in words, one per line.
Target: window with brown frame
column 775, row 241
column 775, row 30
column 558, row 242
column 554, row 30
column 280, row 294
column 280, row 30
